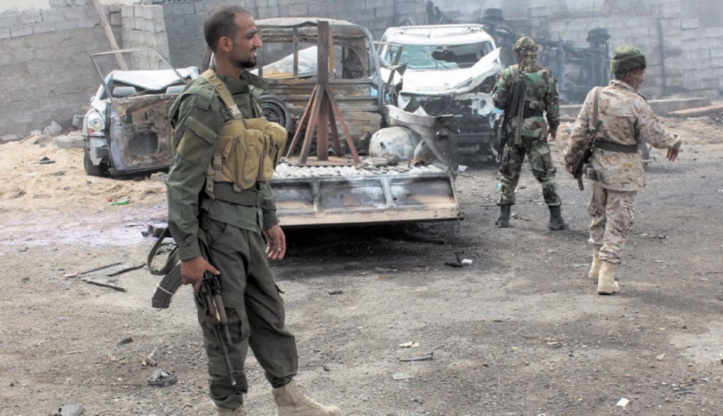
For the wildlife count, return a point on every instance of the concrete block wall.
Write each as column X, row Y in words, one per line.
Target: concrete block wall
column 143, row 26
column 682, row 39
column 702, row 48
column 47, row 71
column 184, row 19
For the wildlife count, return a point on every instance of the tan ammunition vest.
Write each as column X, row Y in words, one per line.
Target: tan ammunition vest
column 246, row 150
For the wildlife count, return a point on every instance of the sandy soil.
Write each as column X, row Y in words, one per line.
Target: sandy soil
column 519, row 332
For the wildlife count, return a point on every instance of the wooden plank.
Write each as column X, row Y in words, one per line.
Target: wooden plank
column 109, row 34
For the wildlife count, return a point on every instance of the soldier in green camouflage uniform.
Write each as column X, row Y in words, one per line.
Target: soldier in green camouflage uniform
column 529, row 131
column 233, row 221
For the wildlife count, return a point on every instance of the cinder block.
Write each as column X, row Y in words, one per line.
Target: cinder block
column 268, row 12
column 59, row 4
column 689, row 23
column 74, row 141
column 44, row 28
column 127, row 11
column 81, row 2
column 714, row 32
column 29, row 18
column 86, row 22
column 158, row 11
column 19, row 31
column 115, row 19
column 717, row 63
column 4, row 33
column 52, row 15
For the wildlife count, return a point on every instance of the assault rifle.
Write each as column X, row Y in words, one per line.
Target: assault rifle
column 586, row 155
column 515, row 96
column 208, row 296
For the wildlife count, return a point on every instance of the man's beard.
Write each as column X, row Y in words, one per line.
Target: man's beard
column 245, row 63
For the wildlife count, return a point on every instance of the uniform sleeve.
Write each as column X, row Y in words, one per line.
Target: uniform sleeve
column 652, row 131
column 268, row 206
column 580, row 131
column 552, row 104
column 194, row 138
column 501, row 89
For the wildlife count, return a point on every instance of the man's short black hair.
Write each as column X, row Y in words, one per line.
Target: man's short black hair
column 221, row 22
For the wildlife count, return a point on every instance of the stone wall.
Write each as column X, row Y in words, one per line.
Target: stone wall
column 702, row 40
column 47, row 72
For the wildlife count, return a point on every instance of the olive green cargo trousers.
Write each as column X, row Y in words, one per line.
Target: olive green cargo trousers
column 255, row 311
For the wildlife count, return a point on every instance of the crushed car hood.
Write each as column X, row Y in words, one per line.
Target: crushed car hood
column 446, row 81
column 154, row 79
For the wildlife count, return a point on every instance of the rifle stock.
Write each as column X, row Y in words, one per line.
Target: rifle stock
column 585, row 155
column 512, row 104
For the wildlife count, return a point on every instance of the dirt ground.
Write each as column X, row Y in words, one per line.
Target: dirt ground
column 520, row 331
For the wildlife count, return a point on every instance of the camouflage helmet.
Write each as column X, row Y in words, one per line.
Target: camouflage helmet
column 627, row 58
column 525, row 46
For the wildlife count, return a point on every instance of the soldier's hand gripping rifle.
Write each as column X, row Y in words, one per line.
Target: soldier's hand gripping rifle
column 586, row 155
column 515, row 97
column 209, row 296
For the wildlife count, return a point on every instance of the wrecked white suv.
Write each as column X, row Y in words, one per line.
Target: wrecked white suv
column 446, row 70
column 126, row 129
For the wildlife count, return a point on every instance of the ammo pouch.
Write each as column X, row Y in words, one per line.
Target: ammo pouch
column 246, row 150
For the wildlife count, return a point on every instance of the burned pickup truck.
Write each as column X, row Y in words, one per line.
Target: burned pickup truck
column 126, row 129
column 408, row 162
column 448, row 69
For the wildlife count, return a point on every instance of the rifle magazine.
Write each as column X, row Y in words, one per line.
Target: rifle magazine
column 167, row 288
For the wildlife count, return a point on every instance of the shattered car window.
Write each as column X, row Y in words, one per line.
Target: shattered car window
column 436, row 56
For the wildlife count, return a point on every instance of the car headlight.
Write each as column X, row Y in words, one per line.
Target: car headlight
column 96, row 124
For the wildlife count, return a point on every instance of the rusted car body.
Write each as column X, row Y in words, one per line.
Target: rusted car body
column 288, row 61
column 126, row 130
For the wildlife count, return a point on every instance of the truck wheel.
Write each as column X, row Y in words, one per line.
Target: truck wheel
column 90, row 168
column 275, row 110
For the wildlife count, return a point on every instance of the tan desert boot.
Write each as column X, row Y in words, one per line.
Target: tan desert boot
column 292, row 401
column 606, row 284
column 596, row 263
column 228, row 412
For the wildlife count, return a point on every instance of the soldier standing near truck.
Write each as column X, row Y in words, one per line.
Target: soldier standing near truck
column 528, row 94
column 220, row 202
column 616, row 171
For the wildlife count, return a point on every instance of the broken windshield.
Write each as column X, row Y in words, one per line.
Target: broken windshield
column 436, row 56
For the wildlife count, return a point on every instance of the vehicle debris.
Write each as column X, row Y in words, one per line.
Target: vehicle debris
column 125, row 341
column 161, row 378
column 427, row 357
column 148, row 360
column 70, row 410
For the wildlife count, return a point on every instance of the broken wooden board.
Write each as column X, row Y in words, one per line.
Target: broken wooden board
column 710, row 110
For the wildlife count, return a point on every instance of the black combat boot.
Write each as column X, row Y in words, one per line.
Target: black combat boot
column 556, row 221
column 504, row 219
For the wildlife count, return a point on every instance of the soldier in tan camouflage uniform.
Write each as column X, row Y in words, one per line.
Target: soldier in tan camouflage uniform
column 625, row 116
column 529, row 131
